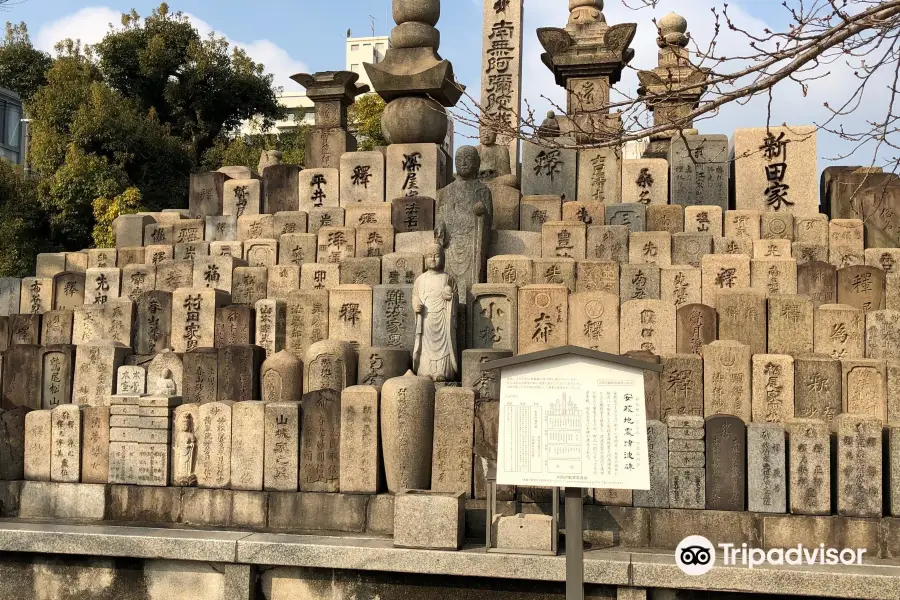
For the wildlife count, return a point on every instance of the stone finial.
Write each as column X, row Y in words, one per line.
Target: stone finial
column 585, row 12
column 673, row 31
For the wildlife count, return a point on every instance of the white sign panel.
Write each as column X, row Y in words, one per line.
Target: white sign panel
column 573, row 422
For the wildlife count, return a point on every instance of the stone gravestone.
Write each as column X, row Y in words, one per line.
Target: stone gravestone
column 681, row 386
column 817, row 388
column 773, row 388
column 695, row 326
column 21, row 371
column 58, row 371
column 861, row 287
column 96, row 366
column 549, row 170
column 239, row 372
column 742, row 318
column 594, row 321
column 282, row 446
column 687, row 468
column 407, row 431
column 329, row 365
column 680, row 286
column 647, row 325
column 65, row 440
column 12, row 444
column 766, row 464
column 297, row 248
column 700, row 173
column 281, row 378
column 632, row 216
column 10, row 295
column 247, row 446
column 306, row 320
column 726, row 463
column 723, row 273
column 95, row 451
column 235, row 325
column 350, row 314
column 131, row 381
column 56, row 327
column 882, row 334
column 839, row 331
column 893, row 450
column 68, row 291
column 454, row 417
column 393, row 319
column 493, row 316
column 607, row 242
column 864, row 387
column 201, row 380
column 859, row 466
column 194, row 318
column 600, row 175
column 206, row 194
column 362, row 177
column 282, row 188
column 377, row 365
column 320, row 441
column 214, row 445
column 645, row 181
column 658, row 451
column 727, row 380
column 270, row 325
column 360, row 470
column 846, row 242
column 543, row 317
column 639, row 282
column 690, row 248
column 165, row 366
column 790, row 325
column 24, row 329
column 37, row 296
column 38, row 448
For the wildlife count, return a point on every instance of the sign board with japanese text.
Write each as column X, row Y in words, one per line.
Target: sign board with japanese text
column 572, row 421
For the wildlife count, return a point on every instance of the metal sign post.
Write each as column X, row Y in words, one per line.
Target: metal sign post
column 574, row 545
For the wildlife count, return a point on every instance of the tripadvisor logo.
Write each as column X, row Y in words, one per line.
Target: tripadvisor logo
column 695, row 555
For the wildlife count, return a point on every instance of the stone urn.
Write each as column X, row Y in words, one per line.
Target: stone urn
column 407, row 431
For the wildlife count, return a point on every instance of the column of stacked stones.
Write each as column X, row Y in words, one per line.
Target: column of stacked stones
column 322, row 329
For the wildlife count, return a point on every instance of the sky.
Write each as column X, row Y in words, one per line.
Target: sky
column 292, row 36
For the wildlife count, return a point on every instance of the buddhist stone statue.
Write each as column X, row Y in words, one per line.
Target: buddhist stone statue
column 495, row 161
column 550, row 127
column 166, row 385
column 463, row 220
column 434, row 301
column 185, row 459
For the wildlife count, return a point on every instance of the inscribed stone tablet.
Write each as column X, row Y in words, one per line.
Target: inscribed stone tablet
column 96, row 366
column 547, row 170
column 320, row 441
column 864, row 388
column 261, row 253
column 350, row 314
column 767, row 249
column 600, row 175
column 10, row 295
column 297, row 248
column 289, row 223
column 306, row 320
column 839, row 331
column 361, row 215
column 282, row 443
column 742, row 318
column 607, row 242
column 817, row 387
column 893, row 478
column 882, row 334
column 194, row 317
column 699, row 170
column 201, row 381
column 696, row 325
column 726, row 463
column 773, row 388
column 790, row 320
column 377, row 365
column 220, row 229
column 594, row 321
column 360, row 471
column 65, row 439
column 681, row 386
column 632, row 216
column 886, row 259
column 38, row 448
column 510, row 269
column 281, row 378
column 22, row 371
column 818, row 280
column 859, row 466
column 645, row 181
column 639, row 282
column 807, row 253
column 543, row 317
column 319, row 188
column 361, row 271
column 766, row 475
column 597, row 276
column 336, row 244
column 24, row 329
column 214, row 445
column 810, row 467
column 658, row 451
column 58, row 370
column 256, row 227
column 282, row 188
column 846, row 242
column 811, row 229
column 329, row 365
column 650, row 247
column 687, row 487
column 36, row 296
column 319, row 276
column 536, row 210
column 690, row 248
column 270, row 325
column 727, row 380
column 724, row 272
column 586, row 212
column 131, row 380
column 374, row 241
column 733, row 245
column 703, row 219
column 206, row 191
column 415, row 170
column 137, row 280
column 861, row 287
column 56, row 327
column 362, row 177
column 493, row 317
column 776, row 226
column 325, row 217
column 744, row 224
column 555, row 271
column 95, row 450
column 680, row 285
column 242, row 197
column 647, row 325
column 282, row 280
column 401, row 268
column 239, row 372
column 68, row 291
column 174, row 274
column 154, row 322
column 563, row 239
column 454, row 416
column 247, row 446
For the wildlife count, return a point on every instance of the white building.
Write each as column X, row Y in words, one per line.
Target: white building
column 365, row 50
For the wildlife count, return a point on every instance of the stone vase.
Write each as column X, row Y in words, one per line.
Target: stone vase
column 407, row 431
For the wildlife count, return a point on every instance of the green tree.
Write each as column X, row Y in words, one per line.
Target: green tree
column 23, row 224
column 245, row 150
column 365, row 121
column 23, row 67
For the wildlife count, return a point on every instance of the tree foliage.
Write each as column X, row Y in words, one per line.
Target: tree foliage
column 245, row 150
column 23, row 224
column 23, row 67
column 365, row 120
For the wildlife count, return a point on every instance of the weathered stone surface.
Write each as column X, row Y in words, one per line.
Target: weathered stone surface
column 742, row 318
column 773, row 388
column 766, row 464
column 319, row 187
column 454, row 415
column 174, row 274
column 96, row 364
column 776, row 226
column 607, row 242
column 270, row 325
column 724, row 273
column 695, row 326
column 493, row 316
column 377, row 365
column 502, row 242
column 790, row 325
column 726, row 463
column 235, row 325
column 681, row 386
column 307, row 320
column 165, row 365
column 639, row 282
column 652, row 393
column 65, row 440
column 775, row 276
column 742, row 224
column 201, row 379
column 401, row 268
column 588, row 212
column 360, row 444
column 597, row 276
column 650, row 247
column 549, row 171
column 56, row 327
column 260, row 253
column 247, row 446
column 665, row 217
column 329, row 364
column 319, row 276
column 846, row 239
column 320, row 218
column 806, row 253
column 680, row 286
column 699, row 171
column 12, row 444
column 281, row 378
column 11, row 295
column 839, row 331
column 864, row 387
column 95, row 448
column 594, row 321
column 817, row 387
column 220, row 229
column 362, row 177
column 320, row 440
column 350, row 314
column 194, row 317
column 687, row 487
column 206, row 192
column 882, row 334
column 407, row 429
column 68, row 290
column 282, row 446
column 415, row 170
column 859, row 466
column 24, row 329
column 443, row 529
column 543, row 317
column 690, row 248
column 727, row 380
column 38, row 448
column 535, row 210
column 297, row 248
column 647, row 325
column 239, row 368
column 632, row 216
column 555, row 271
column 58, row 370
column 658, row 450
column 861, row 287
column 810, row 467
column 600, row 175
column 645, row 181
column 893, row 478
column 214, row 445
column 704, row 219
column 36, row 296
column 21, row 371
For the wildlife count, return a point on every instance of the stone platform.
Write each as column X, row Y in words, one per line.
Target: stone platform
column 94, row 560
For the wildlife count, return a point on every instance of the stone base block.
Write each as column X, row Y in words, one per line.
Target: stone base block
column 380, row 519
column 431, row 520
column 523, row 532
column 77, row 501
column 224, row 508
column 311, row 511
column 141, row 504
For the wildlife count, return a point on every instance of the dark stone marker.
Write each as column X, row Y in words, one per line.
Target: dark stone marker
column 56, row 327
column 58, row 364
column 235, row 325
column 68, row 291
column 154, row 322
column 200, row 383
column 24, row 329
column 818, row 280
column 726, row 463
column 239, row 372
column 12, row 444
column 695, row 326
column 652, row 390
column 22, row 377
column 281, row 184
column 861, row 287
column 412, row 213
column 320, row 441
column 632, row 215
column 207, row 191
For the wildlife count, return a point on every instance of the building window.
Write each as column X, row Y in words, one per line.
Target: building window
column 354, row 68
column 354, row 47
